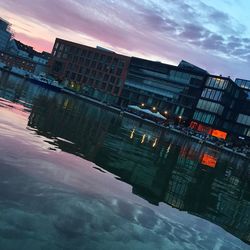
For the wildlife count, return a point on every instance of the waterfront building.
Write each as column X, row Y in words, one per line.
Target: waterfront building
column 38, row 59
column 19, row 62
column 5, row 34
column 24, row 58
column 172, row 90
column 184, row 94
column 96, row 72
column 220, row 109
column 243, row 117
column 20, row 49
column 244, row 84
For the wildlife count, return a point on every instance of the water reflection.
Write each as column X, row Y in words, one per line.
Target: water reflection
column 160, row 166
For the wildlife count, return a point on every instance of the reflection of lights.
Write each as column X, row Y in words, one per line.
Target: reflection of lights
column 143, row 138
column 66, row 103
column 132, row 134
column 154, row 144
column 208, row 160
column 168, row 149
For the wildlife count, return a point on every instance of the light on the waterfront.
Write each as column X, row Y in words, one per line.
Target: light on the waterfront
column 165, row 112
column 143, row 104
column 154, row 108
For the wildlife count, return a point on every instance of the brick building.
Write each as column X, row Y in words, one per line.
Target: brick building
column 95, row 72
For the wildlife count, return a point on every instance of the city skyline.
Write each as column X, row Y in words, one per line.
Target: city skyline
column 215, row 36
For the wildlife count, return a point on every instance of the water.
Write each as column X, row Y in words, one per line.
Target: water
column 77, row 176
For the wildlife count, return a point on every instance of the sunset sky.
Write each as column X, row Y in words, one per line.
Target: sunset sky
column 213, row 34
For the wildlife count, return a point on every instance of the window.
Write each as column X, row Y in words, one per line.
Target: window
column 87, row 62
column 99, row 76
column 90, row 54
column 56, row 45
column 109, row 87
column 106, row 77
column 99, row 66
column 91, row 81
column 81, row 70
column 119, row 71
column 116, row 91
column 83, row 53
column 244, row 119
column 112, row 79
column 103, row 85
column 78, row 78
column 73, row 75
column 210, row 106
column 204, row 117
column 93, row 64
column 217, row 83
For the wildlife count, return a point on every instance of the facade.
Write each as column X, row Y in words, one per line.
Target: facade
column 243, row 118
column 219, row 109
column 95, row 72
column 19, row 62
column 5, row 34
column 23, row 58
column 173, row 90
column 20, row 50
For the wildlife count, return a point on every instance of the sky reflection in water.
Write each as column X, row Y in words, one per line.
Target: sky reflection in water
column 73, row 178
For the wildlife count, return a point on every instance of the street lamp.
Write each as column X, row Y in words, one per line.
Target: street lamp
column 143, row 104
column 165, row 112
column 154, row 108
column 180, row 117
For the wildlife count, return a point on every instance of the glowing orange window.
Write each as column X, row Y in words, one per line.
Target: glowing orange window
column 219, row 134
column 208, row 160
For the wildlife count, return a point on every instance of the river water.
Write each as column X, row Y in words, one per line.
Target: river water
column 74, row 175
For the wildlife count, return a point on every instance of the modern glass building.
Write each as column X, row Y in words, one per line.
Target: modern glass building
column 243, row 118
column 221, row 109
column 95, row 72
column 169, row 89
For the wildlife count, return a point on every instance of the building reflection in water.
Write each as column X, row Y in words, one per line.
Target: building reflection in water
column 159, row 166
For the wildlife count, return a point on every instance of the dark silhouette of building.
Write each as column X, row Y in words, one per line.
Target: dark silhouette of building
column 165, row 88
column 221, row 108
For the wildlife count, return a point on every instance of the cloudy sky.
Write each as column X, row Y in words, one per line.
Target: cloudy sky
column 213, row 34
